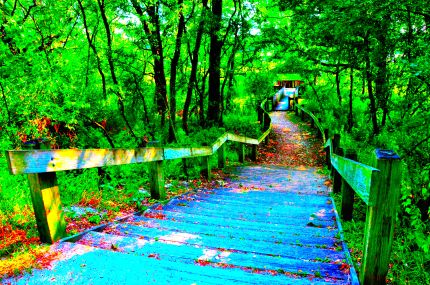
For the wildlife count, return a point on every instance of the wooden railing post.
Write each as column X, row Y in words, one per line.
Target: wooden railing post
column 337, row 178
column 335, row 144
column 266, row 126
column 156, row 176
column 185, row 167
column 266, row 105
column 347, row 192
column 241, row 152
column 254, row 153
column 380, row 219
column 319, row 134
column 206, row 168
column 327, row 151
column 260, row 112
column 296, row 102
column 221, row 156
column 45, row 196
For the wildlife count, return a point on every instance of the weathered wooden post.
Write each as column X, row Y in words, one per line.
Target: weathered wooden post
column 156, row 176
column 335, row 144
column 337, row 178
column 296, row 103
column 347, row 192
column 319, row 134
column 221, row 155
column 185, row 167
column 206, row 168
column 380, row 218
column 266, row 127
column 241, row 152
column 302, row 114
column 45, row 196
column 260, row 112
column 254, row 152
column 326, row 134
column 266, row 105
column 327, row 150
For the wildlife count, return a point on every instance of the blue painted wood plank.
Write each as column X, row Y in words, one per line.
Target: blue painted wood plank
column 215, row 256
column 286, row 236
column 95, row 266
column 236, row 244
column 240, row 234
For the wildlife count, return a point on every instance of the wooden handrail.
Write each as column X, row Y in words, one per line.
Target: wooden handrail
column 41, row 165
column 52, row 160
column 379, row 188
column 41, row 161
column 359, row 176
column 315, row 120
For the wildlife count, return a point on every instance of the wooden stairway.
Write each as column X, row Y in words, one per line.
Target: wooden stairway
column 270, row 225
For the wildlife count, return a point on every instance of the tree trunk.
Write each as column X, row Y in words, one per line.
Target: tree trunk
column 112, row 71
column 215, row 100
column 93, row 47
column 373, row 110
column 109, row 40
column 156, row 44
column 351, row 87
column 201, row 92
column 339, row 96
column 173, row 71
column 192, row 83
column 381, row 80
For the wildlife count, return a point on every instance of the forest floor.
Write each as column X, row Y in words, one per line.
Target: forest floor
column 291, row 143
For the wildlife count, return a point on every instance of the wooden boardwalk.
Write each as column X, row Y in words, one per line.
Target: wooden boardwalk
column 283, row 97
column 268, row 225
column 273, row 225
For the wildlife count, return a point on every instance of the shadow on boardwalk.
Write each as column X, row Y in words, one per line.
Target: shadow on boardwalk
column 268, row 224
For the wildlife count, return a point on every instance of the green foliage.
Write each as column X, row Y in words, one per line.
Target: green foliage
column 258, row 85
column 246, row 125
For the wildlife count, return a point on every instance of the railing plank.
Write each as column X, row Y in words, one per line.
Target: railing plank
column 381, row 218
column 219, row 142
column 174, row 153
column 242, row 139
column 40, row 161
column 265, row 134
column 315, row 120
column 358, row 175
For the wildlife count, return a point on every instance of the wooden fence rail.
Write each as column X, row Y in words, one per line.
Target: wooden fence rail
column 378, row 186
column 41, row 167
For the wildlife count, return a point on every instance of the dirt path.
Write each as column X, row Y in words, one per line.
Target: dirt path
column 291, row 143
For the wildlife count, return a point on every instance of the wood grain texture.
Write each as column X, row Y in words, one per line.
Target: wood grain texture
column 47, row 206
column 380, row 220
column 219, row 142
column 359, row 176
column 39, row 161
column 242, row 139
column 347, row 191
column 175, row 153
